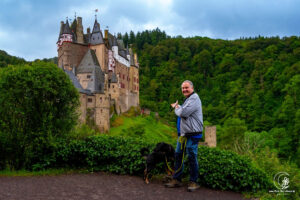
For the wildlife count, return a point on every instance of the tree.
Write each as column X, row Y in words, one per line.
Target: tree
column 38, row 104
column 126, row 39
column 203, row 62
column 131, row 37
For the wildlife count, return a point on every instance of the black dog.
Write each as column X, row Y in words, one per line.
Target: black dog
column 163, row 152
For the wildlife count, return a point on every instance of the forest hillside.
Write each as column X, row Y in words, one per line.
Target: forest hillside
column 248, row 86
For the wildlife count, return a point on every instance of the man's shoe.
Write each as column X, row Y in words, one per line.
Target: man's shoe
column 193, row 186
column 173, row 183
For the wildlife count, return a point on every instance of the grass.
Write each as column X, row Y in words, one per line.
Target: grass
column 147, row 128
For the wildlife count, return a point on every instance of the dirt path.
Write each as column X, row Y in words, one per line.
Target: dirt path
column 99, row 186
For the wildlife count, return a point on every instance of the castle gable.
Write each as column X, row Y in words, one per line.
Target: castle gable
column 91, row 70
column 88, row 62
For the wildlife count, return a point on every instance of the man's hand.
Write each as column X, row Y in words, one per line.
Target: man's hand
column 175, row 105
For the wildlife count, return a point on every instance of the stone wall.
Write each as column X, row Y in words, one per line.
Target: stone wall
column 71, row 54
column 102, row 116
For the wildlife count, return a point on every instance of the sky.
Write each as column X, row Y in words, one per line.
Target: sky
column 29, row 29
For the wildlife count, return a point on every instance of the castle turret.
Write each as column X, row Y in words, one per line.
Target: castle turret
column 96, row 36
column 66, row 35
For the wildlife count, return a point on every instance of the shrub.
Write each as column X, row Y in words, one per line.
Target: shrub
column 102, row 153
column 38, row 104
column 229, row 171
column 231, row 133
column 116, row 121
column 217, row 168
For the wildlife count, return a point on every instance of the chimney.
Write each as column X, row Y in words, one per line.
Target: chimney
column 105, row 34
column 79, row 30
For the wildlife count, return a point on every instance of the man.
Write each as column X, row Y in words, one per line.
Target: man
column 191, row 127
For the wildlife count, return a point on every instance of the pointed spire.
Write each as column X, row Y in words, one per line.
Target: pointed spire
column 96, row 36
column 67, row 28
column 96, row 14
column 96, row 27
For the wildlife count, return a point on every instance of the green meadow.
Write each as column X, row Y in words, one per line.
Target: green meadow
column 147, row 128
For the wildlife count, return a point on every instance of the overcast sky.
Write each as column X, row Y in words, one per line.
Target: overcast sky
column 29, row 28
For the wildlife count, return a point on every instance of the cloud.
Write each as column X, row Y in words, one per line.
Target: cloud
column 30, row 28
column 233, row 18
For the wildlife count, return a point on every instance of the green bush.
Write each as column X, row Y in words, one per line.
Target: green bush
column 269, row 162
column 229, row 171
column 38, row 104
column 231, row 133
column 101, row 153
column 217, row 168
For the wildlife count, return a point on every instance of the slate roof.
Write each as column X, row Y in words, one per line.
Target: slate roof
column 76, row 83
column 96, row 35
column 67, row 29
column 112, row 41
column 90, row 64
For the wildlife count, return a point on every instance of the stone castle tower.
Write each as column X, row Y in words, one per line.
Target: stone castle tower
column 105, row 73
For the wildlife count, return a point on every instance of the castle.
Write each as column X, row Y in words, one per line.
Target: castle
column 105, row 73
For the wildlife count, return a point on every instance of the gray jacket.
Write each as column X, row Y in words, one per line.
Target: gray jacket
column 191, row 116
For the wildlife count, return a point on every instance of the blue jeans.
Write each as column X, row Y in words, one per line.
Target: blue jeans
column 192, row 151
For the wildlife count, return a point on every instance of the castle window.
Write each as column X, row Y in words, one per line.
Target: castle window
column 113, row 86
column 88, row 76
column 100, row 99
column 90, row 100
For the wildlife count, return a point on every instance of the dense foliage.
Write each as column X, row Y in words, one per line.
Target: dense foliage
column 249, row 83
column 228, row 171
column 122, row 155
column 6, row 59
column 38, row 104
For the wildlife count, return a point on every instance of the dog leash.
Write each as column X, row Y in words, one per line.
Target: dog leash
column 182, row 141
